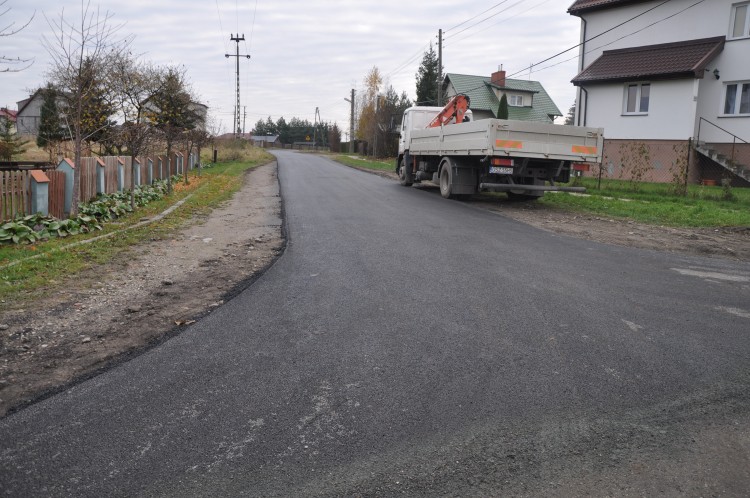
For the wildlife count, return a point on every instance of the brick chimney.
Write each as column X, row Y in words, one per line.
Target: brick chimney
column 498, row 78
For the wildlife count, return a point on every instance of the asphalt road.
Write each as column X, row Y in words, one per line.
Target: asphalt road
column 409, row 345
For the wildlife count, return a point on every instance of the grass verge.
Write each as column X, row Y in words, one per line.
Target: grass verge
column 32, row 278
column 655, row 203
column 358, row 162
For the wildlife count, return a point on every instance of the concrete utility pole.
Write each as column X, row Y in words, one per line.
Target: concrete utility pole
column 237, row 115
column 440, row 68
column 351, row 124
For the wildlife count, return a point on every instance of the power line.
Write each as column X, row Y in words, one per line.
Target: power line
column 474, row 33
column 621, row 38
column 408, row 61
column 486, row 19
column 594, row 37
column 606, row 44
column 221, row 26
column 472, row 18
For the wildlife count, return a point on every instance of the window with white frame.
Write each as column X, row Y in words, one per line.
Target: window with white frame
column 637, row 97
column 740, row 22
column 515, row 100
column 737, row 98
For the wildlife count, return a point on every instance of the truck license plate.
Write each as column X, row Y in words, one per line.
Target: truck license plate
column 501, row 170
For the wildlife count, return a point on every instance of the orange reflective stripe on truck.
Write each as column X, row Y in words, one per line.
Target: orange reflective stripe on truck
column 509, row 144
column 583, row 149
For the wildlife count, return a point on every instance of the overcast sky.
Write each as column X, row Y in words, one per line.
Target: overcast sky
column 308, row 54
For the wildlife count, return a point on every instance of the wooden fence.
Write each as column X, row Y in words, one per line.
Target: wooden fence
column 14, row 193
column 15, row 186
column 87, row 188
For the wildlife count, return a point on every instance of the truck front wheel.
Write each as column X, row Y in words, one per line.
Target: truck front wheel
column 446, row 186
column 404, row 178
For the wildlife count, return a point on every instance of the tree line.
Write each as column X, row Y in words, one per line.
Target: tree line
column 298, row 130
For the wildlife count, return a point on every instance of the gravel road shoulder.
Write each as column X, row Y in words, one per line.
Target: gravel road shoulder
column 145, row 296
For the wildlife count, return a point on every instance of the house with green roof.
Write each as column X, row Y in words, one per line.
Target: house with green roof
column 527, row 100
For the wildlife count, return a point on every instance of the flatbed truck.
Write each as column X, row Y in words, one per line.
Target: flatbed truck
column 463, row 156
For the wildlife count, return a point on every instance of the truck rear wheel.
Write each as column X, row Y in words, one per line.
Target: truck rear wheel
column 404, row 178
column 446, row 186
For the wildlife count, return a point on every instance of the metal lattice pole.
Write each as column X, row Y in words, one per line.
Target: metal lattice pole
column 237, row 114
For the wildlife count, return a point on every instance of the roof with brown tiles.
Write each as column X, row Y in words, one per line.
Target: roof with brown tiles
column 583, row 6
column 685, row 59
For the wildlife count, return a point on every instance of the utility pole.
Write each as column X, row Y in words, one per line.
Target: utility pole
column 244, row 119
column 440, row 68
column 237, row 39
column 351, row 124
column 315, row 128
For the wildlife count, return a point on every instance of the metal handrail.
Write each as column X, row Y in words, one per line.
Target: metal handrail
column 734, row 137
column 719, row 127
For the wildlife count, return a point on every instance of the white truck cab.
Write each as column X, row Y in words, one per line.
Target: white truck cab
column 417, row 118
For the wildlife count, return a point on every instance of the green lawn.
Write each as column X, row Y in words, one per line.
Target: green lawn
column 358, row 162
column 656, row 203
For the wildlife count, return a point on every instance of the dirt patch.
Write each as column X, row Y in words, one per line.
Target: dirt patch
column 728, row 242
column 105, row 315
column 144, row 296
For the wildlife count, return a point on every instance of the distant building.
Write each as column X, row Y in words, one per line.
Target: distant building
column 29, row 114
column 7, row 115
column 265, row 140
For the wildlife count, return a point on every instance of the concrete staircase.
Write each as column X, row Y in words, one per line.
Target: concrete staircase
column 741, row 170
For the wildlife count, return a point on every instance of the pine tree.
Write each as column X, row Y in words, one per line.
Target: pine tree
column 502, row 110
column 173, row 113
column 428, row 75
column 570, row 118
column 51, row 131
column 11, row 144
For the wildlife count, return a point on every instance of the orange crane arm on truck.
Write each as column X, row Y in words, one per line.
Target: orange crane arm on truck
column 455, row 108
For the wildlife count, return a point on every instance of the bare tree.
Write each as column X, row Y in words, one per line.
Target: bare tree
column 196, row 137
column 136, row 84
column 82, row 53
column 10, row 64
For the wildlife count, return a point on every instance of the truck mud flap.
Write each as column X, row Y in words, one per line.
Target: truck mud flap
column 464, row 180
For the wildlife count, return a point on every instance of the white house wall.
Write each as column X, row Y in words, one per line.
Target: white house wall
column 667, row 105
column 669, row 113
column 711, row 97
column 707, row 19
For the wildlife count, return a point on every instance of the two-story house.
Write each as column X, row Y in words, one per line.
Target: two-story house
column 527, row 100
column 672, row 76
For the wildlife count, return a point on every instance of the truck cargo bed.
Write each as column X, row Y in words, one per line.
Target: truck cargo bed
column 500, row 137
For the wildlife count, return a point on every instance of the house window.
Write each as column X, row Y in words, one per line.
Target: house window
column 737, row 98
column 740, row 25
column 515, row 100
column 636, row 98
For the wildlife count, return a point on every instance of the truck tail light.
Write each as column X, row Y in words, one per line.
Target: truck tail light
column 501, row 161
column 581, row 167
